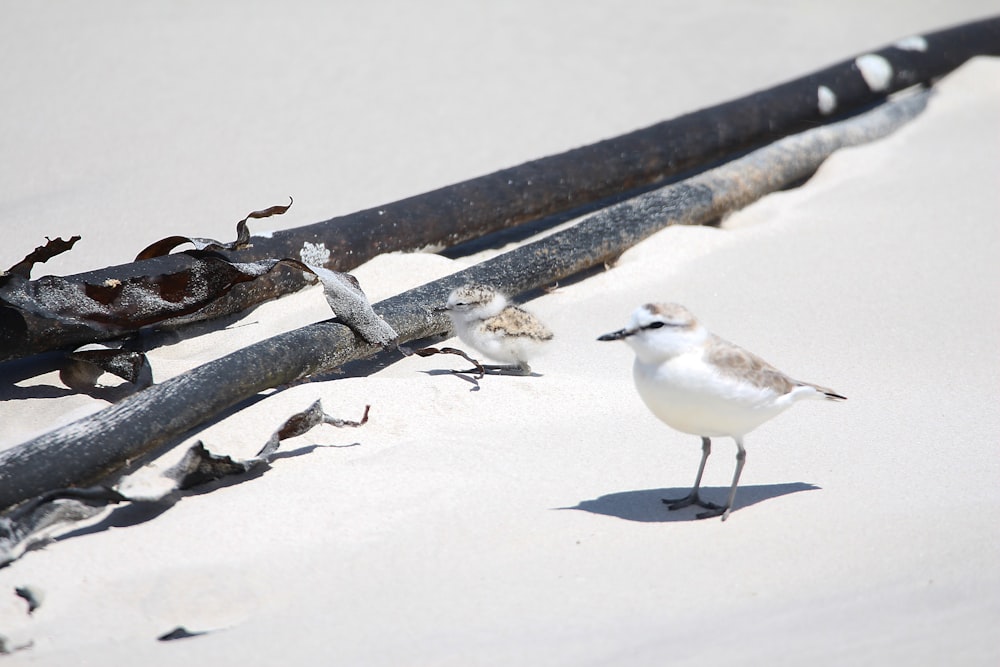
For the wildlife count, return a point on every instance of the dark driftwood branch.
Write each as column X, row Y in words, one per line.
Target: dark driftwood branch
column 544, row 187
column 640, row 159
column 99, row 444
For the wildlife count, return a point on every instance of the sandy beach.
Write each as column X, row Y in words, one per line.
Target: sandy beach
column 521, row 522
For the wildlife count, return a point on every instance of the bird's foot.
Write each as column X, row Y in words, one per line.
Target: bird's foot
column 714, row 511
column 693, row 499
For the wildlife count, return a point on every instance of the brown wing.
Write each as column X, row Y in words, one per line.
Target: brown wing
column 518, row 322
column 737, row 363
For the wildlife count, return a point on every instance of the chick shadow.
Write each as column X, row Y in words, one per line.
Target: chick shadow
column 471, row 377
column 646, row 505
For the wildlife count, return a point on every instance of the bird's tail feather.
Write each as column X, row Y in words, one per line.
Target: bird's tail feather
column 821, row 392
column 829, row 394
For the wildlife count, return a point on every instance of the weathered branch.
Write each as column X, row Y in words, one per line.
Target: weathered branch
column 639, row 159
column 536, row 189
column 100, row 443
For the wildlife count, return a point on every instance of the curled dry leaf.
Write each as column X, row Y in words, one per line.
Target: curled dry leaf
column 42, row 253
column 82, row 368
column 348, row 301
column 114, row 306
column 165, row 246
column 167, row 290
column 200, row 466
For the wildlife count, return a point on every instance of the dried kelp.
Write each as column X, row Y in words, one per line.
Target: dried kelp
column 348, row 301
column 97, row 444
column 82, row 369
column 200, row 466
column 36, row 315
column 55, row 312
column 42, row 253
column 35, row 522
column 165, row 246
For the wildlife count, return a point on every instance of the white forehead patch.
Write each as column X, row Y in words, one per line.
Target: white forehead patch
column 672, row 313
column 641, row 316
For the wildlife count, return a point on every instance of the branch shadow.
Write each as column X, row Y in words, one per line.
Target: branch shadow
column 18, row 370
column 130, row 514
column 646, row 505
column 134, row 513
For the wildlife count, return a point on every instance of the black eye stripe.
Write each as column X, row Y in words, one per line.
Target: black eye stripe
column 655, row 325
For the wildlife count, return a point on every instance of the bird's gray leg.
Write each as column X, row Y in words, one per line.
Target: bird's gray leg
column 741, row 457
column 693, row 498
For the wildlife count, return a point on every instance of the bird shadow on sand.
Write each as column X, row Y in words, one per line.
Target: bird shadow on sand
column 646, row 505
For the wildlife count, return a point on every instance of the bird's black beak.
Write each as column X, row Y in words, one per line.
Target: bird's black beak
column 616, row 335
column 441, row 309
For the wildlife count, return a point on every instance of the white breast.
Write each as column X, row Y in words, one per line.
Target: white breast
column 688, row 395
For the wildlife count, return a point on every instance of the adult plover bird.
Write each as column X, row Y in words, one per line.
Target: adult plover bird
column 502, row 331
column 698, row 383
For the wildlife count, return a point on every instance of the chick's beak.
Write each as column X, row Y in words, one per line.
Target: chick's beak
column 616, row 335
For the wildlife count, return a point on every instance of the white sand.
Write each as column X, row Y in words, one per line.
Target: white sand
column 521, row 523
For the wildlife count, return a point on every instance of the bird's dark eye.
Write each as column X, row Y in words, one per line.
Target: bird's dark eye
column 655, row 325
